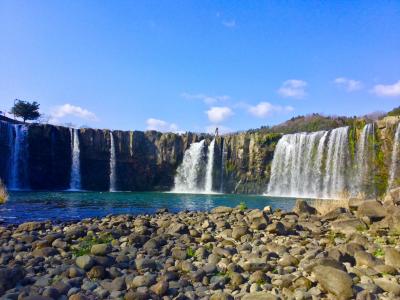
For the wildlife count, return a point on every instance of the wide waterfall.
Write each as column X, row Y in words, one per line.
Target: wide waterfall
column 113, row 165
column 319, row 164
column 75, row 180
column 210, row 167
column 190, row 174
column 18, row 164
column 394, row 166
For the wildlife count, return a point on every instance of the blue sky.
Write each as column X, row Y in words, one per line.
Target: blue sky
column 192, row 65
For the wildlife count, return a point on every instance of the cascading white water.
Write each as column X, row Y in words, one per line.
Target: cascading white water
column 210, row 167
column 293, row 170
column 75, row 180
column 131, row 143
column 362, row 167
column 395, row 161
column 189, row 173
column 113, row 165
column 18, row 178
column 318, row 165
column 336, row 163
column 223, row 159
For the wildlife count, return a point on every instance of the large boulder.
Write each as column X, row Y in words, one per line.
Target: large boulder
column 30, row 226
column 221, row 210
column 257, row 219
column 372, row 209
column 334, row 281
column 392, row 257
column 348, row 226
column 9, row 277
column 302, row 207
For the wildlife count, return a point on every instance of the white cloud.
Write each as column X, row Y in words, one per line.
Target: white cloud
column 217, row 114
column 264, row 109
column 349, row 85
column 71, row 110
column 221, row 129
column 205, row 98
column 160, row 125
column 229, row 23
column 294, row 88
column 389, row 90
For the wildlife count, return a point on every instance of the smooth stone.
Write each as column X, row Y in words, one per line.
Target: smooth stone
column 334, row 281
column 84, row 262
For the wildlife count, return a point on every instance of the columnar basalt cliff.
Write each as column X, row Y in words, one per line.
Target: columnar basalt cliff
column 149, row 161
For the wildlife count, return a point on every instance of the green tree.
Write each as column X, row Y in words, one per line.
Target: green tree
column 26, row 110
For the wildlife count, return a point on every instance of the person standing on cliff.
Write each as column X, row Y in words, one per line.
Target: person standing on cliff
column 216, row 131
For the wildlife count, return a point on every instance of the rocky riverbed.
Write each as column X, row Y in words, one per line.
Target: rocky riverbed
column 227, row 253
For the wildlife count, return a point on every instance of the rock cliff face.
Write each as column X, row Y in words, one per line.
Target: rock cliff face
column 147, row 161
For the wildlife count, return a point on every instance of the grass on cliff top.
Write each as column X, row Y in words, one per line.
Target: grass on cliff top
column 3, row 193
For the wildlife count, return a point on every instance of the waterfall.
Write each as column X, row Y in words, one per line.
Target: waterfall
column 318, row 164
column 75, row 180
column 189, row 174
column 131, row 143
column 210, row 166
column 18, row 164
column 223, row 159
column 394, row 166
column 364, row 152
column 334, row 185
column 113, row 165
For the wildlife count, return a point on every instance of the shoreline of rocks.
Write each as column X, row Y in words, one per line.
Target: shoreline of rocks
column 227, row 253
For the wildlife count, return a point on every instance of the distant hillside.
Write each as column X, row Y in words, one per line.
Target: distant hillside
column 317, row 122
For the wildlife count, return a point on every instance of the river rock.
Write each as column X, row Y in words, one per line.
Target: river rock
column 302, row 207
column 388, row 285
column 100, row 249
column 334, row 281
column 84, row 262
column 371, row 209
column 392, row 257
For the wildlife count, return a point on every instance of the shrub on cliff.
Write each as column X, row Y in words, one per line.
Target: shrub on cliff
column 394, row 112
column 3, row 193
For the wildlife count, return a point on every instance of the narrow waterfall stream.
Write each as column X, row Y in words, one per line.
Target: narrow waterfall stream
column 210, row 166
column 318, row 164
column 189, row 174
column 223, row 159
column 113, row 165
column 364, row 149
column 75, row 180
column 18, row 166
column 395, row 159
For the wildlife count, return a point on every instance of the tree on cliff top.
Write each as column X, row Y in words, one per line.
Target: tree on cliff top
column 26, row 110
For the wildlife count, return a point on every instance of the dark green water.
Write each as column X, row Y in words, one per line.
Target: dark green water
column 66, row 206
